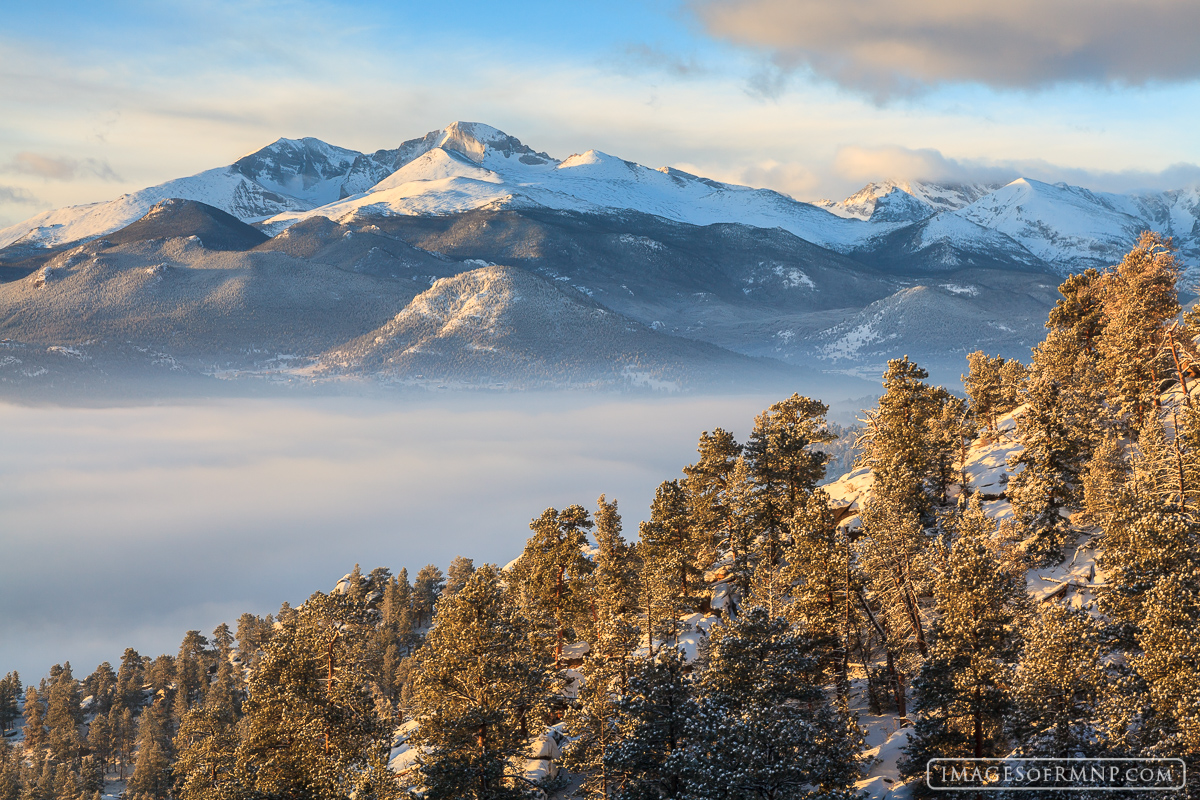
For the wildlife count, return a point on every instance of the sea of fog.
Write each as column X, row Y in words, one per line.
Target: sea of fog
column 127, row 526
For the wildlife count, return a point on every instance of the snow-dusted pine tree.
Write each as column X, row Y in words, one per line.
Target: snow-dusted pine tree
column 477, row 694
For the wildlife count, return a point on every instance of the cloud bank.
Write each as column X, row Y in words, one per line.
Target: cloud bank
column 129, row 526
column 889, row 46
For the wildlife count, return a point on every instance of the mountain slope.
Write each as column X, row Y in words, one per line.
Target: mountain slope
column 182, row 218
column 503, row 326
column 287, row 175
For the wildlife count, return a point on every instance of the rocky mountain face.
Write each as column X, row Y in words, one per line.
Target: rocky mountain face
column 899, row 267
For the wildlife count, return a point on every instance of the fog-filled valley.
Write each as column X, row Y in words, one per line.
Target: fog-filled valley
column 128, row 524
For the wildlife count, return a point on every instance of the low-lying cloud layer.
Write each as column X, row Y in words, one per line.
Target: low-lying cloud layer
column 885, row 46
column 126, row 527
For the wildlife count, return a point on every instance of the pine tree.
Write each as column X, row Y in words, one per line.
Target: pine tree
column 191, row 671
column 10, row 690
column 670, row 550
column 314, row 725
column 782, row 461
column 151, row 778
column 1058, row 686
column 478, row 690
column 1169, row 662
column 1139, row 301
column 907, row 441
column 823, row 581
column 1061, row 424
column 552, row 576
column 1080, row 313
column 893, row 556
column 398, row 614
column 708, row 486
column 207, row 745
column 991, row 385
column 592, row 722
column 63, row 716
column 131, row 677
column 651, row 722
column 252, row 635
column 763, row 727
column 124, row 738
column 100, row 686
column 34, row 730
column 427, row 588
column 100, row 739
column 10, row 771
column 459, row 572
column 962, row 693
column 65, row 786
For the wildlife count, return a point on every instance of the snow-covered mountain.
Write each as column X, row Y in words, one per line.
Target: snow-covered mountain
column 906, row 201
column 286, row 175
column 467, row 166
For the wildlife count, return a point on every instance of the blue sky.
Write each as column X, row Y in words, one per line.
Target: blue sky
column 810, row 97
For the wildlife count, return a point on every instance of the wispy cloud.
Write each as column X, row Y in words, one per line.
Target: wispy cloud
column 640, row 57
column 16, row 196
column 898, row 46
column 60, row 168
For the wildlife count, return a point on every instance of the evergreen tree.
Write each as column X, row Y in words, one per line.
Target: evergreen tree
column 398, row 615
column 1058, row 686
column 427, row 588
column 10, row 690
column 63, row 716
column 908, row 440
column 252, row 635
column 10, row 771
column 651, row 721
column 1079, row 315
column 191, row 671
column 1169, row 662
column 34, row 730
column 592, row 723
column 207, row 745
column 100, row 739
column 151, row 778
column 1061, row 424
column 708, row 486
column 984, row 385
column 314, row 725
column 100, row 686
column 131, row 677
column 460, row 571
column 823, row 581
column 552, row 575
column 763, row 727
column 962, row 693
column 124, row 739
column 1139, row 300
column 894, row 560
column 783, row 463
column 670, row 551
column 478, row 689
column 65, row 786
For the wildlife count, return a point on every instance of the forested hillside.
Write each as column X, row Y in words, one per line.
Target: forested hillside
column 1016, row 574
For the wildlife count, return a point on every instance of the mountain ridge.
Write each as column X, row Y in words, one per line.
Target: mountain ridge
column 476, row 166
